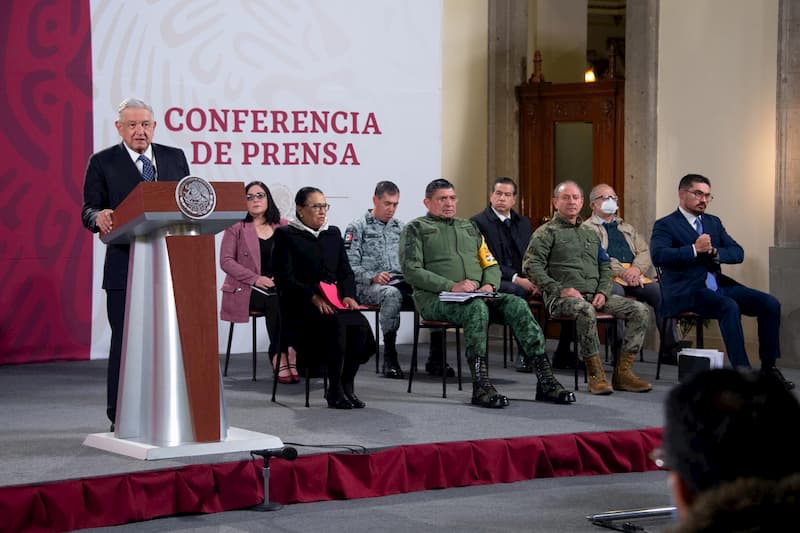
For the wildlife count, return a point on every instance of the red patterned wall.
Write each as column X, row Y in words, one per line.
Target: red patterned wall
column 46, row 131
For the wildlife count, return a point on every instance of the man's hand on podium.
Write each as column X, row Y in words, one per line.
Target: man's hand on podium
column 103, row 221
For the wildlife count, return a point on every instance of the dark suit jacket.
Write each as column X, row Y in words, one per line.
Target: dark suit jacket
column 301, row 261
column 491, row 228
column 110, row 176
column 683, row 274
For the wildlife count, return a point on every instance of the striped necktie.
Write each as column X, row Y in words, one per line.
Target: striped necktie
column 148, row 172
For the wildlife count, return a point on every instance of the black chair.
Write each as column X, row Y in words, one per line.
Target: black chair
column 443, row 326
column 377, row 310
column 607, row 320
column 686, row 315
column 254, row 316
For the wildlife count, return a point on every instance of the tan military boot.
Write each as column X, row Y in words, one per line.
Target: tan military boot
column 625, row 379
column 598, row 384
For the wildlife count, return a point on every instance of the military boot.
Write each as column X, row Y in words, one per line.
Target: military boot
column 624, row 378
column 391, row 368
column 598, row 384
column 548, row 389
column 483, row 392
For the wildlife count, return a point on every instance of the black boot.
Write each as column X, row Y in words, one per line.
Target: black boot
column 348, row 379
column 548, row 389
column 434, row 364
column 391, row 368
column 335, row 396
column 483, row 392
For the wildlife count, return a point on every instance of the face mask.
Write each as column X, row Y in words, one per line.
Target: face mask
column 609, row 206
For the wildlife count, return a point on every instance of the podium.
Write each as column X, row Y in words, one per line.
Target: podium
column 171, row 398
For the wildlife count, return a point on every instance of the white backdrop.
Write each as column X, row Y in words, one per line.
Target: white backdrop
column 372, row 67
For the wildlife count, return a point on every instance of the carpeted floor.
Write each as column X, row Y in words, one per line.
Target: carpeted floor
column 50, row 408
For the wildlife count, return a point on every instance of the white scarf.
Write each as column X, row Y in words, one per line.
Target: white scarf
column 295, row 223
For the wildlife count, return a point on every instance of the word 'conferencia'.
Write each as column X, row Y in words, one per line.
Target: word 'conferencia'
column 272, row 122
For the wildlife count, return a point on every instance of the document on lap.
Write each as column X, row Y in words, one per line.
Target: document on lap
column 331, row 293
column 446, row 296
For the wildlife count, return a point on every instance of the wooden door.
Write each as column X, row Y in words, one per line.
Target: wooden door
column 542, row 106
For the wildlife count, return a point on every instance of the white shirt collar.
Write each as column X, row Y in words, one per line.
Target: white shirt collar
column 690, row 218
column 501, row 217
column 135, row 155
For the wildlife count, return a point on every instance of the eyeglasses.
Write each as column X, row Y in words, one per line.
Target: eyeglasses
column 604, row 198
column 145, row 124
column 700, row 195
column 256, row 196
column 319, row 207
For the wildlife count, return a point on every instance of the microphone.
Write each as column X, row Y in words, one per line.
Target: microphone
column 287, row 452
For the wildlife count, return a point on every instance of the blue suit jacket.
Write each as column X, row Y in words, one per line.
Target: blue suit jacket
column 110, row 176
column 683, row 274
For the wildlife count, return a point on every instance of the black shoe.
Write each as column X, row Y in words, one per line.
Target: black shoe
column 564, row 360
column 392, row 370
column 112, row 427
column 434, row 368
column 775, row 373
column 524, row 364
column 339, row 402
column 351, row 396
column 354, row 401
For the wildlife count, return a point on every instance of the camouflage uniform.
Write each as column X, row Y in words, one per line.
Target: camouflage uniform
column 373, row 247
column 436, row 253
column 563, row 255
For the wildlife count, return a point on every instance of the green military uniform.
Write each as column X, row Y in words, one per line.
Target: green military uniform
column 563, row 255
column 436, row 253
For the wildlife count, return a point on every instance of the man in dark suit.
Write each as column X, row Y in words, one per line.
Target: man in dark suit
column 111, row 174
column 690, row 245
column 507, row 235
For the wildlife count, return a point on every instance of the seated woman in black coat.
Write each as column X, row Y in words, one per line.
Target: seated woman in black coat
column 308, row 252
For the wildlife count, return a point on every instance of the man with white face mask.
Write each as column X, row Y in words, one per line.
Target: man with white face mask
column 630, row 256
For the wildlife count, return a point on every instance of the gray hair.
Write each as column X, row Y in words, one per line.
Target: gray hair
column 133, row 103
column 593, row 195
column 563, row 184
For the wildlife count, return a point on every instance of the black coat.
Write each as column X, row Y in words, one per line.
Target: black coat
column 110, row 176
column 501, row 247
column 301, row 262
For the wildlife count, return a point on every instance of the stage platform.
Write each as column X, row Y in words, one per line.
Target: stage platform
column 49, row 409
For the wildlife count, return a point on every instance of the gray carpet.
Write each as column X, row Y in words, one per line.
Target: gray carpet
column 49, row 409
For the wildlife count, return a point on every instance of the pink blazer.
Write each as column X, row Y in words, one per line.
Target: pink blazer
column 240, row 259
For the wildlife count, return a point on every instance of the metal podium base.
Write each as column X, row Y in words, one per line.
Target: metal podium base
column 239, row 440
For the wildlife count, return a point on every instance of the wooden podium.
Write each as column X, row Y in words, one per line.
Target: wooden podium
column 170, row 390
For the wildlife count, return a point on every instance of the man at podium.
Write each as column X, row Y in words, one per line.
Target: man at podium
column 111, row 175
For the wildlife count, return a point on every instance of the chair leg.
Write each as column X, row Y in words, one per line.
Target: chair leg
column 505, row 345
column 699, row 332
column 444, row 362
column 228, row 351
column 414, row 348
column 377, row 343
column 577, row 355
column 458, row 357
column 660, row 349
column 254, row 349
column 308, row 383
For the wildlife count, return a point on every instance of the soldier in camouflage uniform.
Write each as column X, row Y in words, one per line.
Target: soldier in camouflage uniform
column 567, row 261
column 440, row 252
column 372, row 243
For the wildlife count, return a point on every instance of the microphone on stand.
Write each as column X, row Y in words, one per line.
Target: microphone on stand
column 288, row 453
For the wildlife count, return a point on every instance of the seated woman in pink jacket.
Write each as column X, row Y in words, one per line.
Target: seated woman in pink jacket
column 246, row 257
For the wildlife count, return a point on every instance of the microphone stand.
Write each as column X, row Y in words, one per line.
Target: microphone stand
column 288, row 453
